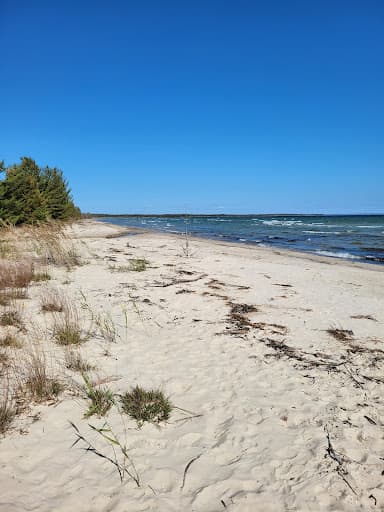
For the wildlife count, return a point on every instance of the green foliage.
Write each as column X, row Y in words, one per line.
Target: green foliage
column 31, row 194
column 101, row 399
column 146, row 405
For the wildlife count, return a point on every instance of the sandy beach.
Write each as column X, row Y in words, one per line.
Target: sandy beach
column 273, row 361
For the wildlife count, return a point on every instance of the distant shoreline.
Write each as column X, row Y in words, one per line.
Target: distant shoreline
column 204, row 215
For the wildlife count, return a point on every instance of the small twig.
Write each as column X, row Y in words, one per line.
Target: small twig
column 187, row 468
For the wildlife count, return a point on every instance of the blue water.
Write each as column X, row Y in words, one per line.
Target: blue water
column 353, row 237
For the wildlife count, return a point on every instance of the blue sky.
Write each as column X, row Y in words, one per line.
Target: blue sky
column 226, row 106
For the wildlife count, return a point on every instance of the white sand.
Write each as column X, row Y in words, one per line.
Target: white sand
column 263, row 410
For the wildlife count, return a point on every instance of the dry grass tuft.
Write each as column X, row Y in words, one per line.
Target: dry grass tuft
column 53, row 300
column 142, row 405
column 67, row 329
column 53, row 245
column 75, row 362
column 11, row 318
column 10, row 340
column 135, row 265
column 15, row 274
column 36, row 380
column 7, row 412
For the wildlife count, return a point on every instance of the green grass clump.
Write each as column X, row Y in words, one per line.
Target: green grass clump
column 138, row 264
column 142, row 405
column 68, row 335
column 135, row 265
column 67, row 328
column 101, row 399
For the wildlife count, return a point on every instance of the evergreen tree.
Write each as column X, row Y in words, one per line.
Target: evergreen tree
column 30, row 194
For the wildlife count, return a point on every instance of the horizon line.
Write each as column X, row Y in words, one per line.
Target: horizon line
column 181, row 214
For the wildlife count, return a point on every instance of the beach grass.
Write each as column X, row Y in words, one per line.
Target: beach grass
column 146, row 405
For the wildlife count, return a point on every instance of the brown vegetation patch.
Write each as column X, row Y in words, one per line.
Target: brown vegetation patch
column 241, row 324
column 15, row 274
column 340, row 334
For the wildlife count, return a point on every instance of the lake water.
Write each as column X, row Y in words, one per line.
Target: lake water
column 353, row 237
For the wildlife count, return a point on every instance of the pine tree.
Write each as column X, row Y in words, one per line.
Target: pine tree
column 30, row 194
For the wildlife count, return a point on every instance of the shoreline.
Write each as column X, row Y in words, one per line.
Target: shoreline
column 329, row 260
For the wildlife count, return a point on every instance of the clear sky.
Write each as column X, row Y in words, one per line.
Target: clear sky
column 199, row 106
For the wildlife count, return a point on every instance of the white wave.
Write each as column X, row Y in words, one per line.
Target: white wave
column 369, row 227
column 323, row 232
column 346, row 255
column 282, row 222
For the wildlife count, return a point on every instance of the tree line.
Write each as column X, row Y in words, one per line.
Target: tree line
column 32, row 194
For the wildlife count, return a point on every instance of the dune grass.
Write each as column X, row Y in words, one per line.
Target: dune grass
column 101, row 398
column 146, row 405
column 36, row 380
column 67, row 328
column 52, row 300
